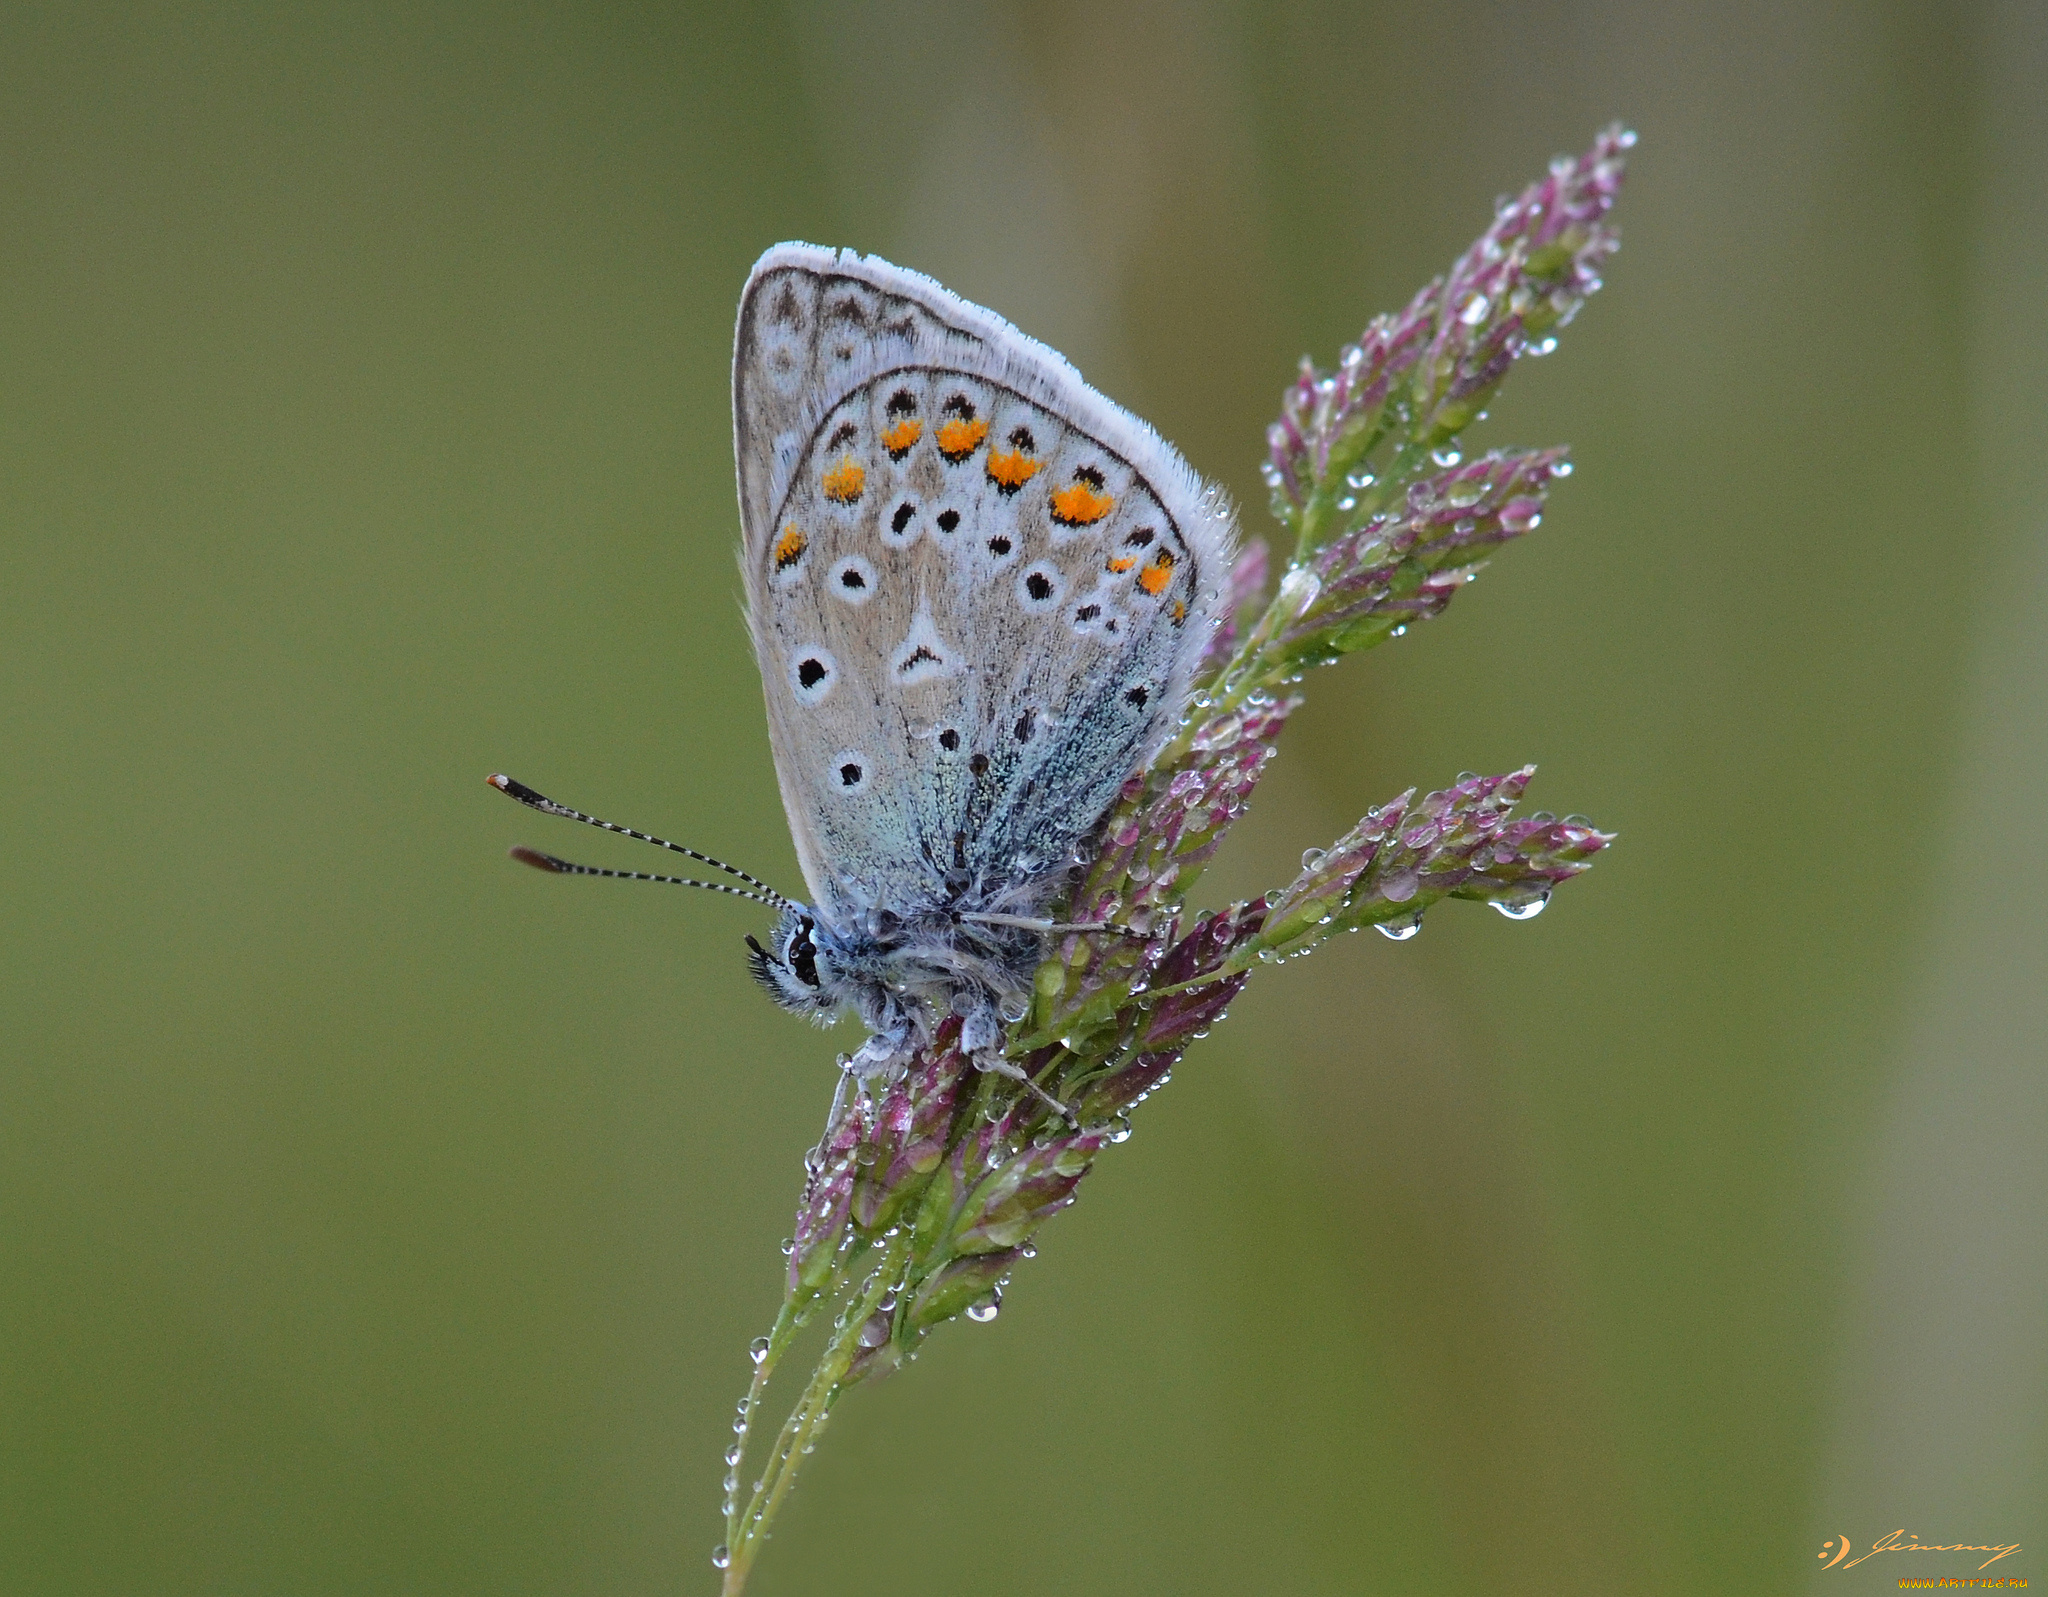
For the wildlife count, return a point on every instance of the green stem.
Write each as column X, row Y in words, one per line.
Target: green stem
column 807, row 1419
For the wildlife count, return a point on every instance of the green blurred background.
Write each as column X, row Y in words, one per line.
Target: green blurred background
column 378, row 1216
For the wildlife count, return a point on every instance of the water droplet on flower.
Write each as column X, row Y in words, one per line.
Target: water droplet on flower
column 1120, row 1129
column 982, row 1310
column 757, row 1350
column 1311, row 858
column 1014, row 1008
column 1361, row 479
column 1401, row 930
column 1542, row 347
column 1446, row 456
column 1522, row 908
column 1348, row 502
column 721, row 1557
column 732, row 1453
column 1475, row 310
column 1402, row 630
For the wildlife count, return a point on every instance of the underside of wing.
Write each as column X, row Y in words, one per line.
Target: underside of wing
column 977, row 588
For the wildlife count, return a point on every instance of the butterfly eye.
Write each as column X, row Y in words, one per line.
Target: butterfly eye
column 802, row 954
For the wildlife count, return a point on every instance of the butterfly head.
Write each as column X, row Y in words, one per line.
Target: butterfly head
column 797, row 969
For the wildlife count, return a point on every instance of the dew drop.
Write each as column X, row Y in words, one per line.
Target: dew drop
column 1311, row 858
column 721, row 1556
column 1446, row 456
column 982, row 1310
column 1120, row 1129
column 1348, row 502
column 1562, row 469
column 1401, row 631
column 1522, row 908
column 1360, row 479
column 1400, row 931
column 757, row 1350
column 788, row 1246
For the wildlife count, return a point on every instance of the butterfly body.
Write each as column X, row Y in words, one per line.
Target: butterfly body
column 977, row 592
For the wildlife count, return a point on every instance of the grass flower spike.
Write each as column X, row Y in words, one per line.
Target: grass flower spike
column 928, row 1191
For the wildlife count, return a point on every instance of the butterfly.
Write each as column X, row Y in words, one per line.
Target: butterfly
column 978, row 591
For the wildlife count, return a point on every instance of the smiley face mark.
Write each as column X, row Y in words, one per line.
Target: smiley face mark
column 1840, row 1547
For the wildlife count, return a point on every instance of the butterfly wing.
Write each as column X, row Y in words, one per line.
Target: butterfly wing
column 977, row 588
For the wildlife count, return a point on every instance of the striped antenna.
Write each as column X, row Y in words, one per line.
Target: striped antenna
column 547, row 862
column 562, row 867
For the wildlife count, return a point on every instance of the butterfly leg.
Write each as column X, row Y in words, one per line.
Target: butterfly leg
column 1038, row 923
column 981, row 1040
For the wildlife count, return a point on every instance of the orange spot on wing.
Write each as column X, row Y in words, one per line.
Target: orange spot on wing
column 898, row 439
column 1122, row 563
column 1078, row 504
column 1180, row 612
column 1156, row 575
column 845, row 481
column 789, row 548
column 959, row 439
column 1012, row 470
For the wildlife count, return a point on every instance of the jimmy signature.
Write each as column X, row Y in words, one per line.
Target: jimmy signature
column 1904, row 1541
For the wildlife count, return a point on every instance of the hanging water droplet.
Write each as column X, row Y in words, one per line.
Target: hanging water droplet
column 757, row 1350
column 1542, row 346
column 788, row 1246
column 1447, row 456
column 982, row 1310
column 1120, row 1129
column 1402, row 630
column 721, row 1557
column 1029, row 1250
column 1014, row 1008
column 1400, row 930
column 1522, row 908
